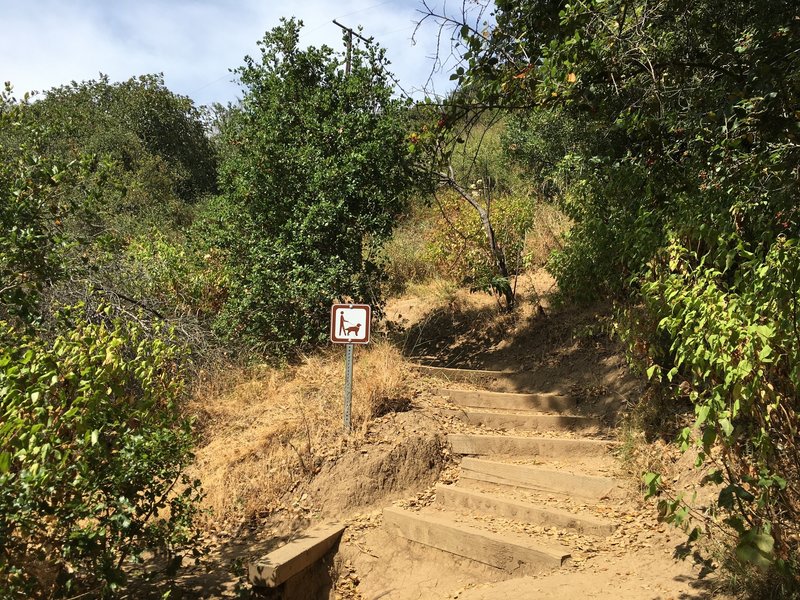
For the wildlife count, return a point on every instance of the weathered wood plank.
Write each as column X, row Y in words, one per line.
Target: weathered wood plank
column 288, row 560
column 531, row 422
column 456, row 498
column 527, row 446
column 453, row 374
column 510, row 552
column 591, row 487
column 510, row 401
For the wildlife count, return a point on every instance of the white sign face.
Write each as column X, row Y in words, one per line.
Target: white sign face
column 350, row 323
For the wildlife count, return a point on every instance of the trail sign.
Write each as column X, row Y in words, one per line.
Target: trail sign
column 350, row 323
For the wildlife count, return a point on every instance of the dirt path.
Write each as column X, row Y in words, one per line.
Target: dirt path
column 526, row 463
column 630, row 555
column 637, row 559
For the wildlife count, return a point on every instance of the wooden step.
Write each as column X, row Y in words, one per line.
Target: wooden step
column 288, row 560
column 532, row 422
column 511, row 552
column 462, row 443
column 458, row 498
column 510, row 401
column 474, row 376
column 591, row 487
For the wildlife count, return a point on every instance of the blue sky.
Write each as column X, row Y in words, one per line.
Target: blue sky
column 46, row 43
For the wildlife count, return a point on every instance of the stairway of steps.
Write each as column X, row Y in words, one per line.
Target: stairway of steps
column 525, row 497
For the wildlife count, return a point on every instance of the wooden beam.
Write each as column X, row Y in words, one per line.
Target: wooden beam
column 288, row 560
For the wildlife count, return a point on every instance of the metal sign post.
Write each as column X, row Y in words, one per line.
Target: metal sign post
column 348, row 385
column 350, row 324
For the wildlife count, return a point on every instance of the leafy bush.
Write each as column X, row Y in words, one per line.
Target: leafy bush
column 32, row 242
column 734, row 350
column 156, row 138
column 92, row 451
column 314, row 177
column 178, row 274
column 458, row 247
column 92, row 443
column 87, row 170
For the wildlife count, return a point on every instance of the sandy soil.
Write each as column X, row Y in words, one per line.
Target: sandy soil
column 402, row 455
column 549, row 350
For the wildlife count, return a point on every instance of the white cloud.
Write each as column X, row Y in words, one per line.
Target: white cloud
column 46, row 43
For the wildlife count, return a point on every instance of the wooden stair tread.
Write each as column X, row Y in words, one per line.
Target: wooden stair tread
column 454, row 498
column 591, row 487
column 510, row 552
column 529, row 421
column 553, row 447
column 544, row 401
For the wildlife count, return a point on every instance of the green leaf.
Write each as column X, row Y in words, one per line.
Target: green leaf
column 5, row 462
column 779, row 481
column 651, row 482
column 95, row 437
column 702, row 414
column 709, row 437
column 757, row 548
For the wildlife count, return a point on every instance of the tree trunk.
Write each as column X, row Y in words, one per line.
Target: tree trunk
column 498, row 256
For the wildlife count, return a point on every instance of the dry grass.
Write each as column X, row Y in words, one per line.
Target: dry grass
column 408, row 250
column 435, row 291
column 548, row 230
column 266, row 430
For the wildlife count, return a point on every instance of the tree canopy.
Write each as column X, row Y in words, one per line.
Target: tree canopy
column 680, row 168
column 315, row 171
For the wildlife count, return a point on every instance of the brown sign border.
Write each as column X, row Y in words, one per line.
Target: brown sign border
column 338, row 340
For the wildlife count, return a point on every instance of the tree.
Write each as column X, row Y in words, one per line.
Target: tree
column 33, row 203
column 134, row 166
column 686, row 205
column 315, row 174
column 674, row 102
column 159, row 158
column 92, row 442
column 461, row 156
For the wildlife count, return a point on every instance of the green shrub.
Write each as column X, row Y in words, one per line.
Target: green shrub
column 179, row 275
column 733, row 348
column 32, row 207
column 92, row 452
column 315, row 175
column 458, row 246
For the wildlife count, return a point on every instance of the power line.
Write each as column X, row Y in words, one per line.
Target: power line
column 350, row 34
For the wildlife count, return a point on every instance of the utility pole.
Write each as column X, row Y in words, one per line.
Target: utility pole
column 350, row 34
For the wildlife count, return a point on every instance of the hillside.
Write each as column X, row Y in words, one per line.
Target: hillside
column 400, row 457
column 596, row 229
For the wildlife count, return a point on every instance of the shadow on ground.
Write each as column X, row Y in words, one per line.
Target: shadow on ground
column 220, row 572
column 571, row 346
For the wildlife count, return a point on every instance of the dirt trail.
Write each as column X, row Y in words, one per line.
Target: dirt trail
column 577, row 387
column 637, row 561
column 564, row 354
